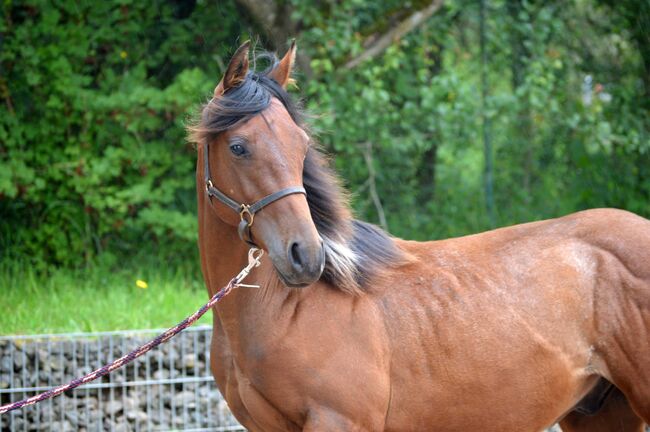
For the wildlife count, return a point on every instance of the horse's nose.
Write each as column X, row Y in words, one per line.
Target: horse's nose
column 306, row 262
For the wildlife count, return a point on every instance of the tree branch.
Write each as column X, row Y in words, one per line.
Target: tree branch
column 395, row 33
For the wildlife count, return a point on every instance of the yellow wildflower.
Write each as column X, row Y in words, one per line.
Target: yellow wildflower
column 124, row 54
column 141, row 284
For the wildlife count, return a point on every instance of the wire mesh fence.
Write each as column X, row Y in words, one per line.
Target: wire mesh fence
column 170, row 388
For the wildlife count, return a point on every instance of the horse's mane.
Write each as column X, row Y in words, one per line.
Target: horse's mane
column 356, row 251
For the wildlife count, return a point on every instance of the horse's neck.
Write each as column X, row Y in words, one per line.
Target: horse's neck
column 223, row 255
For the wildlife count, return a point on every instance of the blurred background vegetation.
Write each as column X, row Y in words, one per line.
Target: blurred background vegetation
column 443, row 117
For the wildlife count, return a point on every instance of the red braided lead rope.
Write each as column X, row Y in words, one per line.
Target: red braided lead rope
column 254, row 256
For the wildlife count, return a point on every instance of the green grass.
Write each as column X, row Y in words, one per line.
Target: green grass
column 97, row 299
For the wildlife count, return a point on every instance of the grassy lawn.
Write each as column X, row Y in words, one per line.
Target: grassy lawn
column 97, row 299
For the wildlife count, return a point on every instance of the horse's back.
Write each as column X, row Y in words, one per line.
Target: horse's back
column 584, row 240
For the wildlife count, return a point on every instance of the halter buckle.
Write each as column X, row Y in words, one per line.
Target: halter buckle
column 246, row 210
column 208, row 185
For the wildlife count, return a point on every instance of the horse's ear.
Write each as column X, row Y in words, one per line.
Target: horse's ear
column 282, row 72
column 236, row 71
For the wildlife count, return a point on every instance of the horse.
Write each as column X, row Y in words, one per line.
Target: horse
column 351, row 329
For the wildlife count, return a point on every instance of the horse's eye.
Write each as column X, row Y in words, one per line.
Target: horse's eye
column 238, row 149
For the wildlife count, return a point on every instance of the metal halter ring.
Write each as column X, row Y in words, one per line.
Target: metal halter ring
column 246, row 210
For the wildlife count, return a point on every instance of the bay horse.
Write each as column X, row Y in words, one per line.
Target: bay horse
column 513, row 329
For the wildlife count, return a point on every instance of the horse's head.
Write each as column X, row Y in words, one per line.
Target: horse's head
column 256, row 149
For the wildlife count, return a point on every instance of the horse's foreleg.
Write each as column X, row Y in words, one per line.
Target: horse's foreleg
column 615, row 415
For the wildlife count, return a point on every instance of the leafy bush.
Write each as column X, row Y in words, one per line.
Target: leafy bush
column 94, row 156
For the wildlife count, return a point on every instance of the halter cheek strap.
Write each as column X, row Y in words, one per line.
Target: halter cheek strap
column 246, row 211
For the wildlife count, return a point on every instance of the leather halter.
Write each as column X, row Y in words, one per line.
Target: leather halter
column 246, row 211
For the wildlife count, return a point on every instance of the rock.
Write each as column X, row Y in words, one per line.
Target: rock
column 43, row 378
column 73, row 417
column 94, row 426
column 112, row 407
column 189, row 361
column 91, row 402
column 19, row 361
column 30, row 350
column 161, row 374
column 137, row 416
column 18, row 424
column 83, row 370
column 170, row 358
column 63, row 426
column 47, row 413
column 183, row 398
column 118, row 378
column 42, row 355
column 177, row 422
column 166, row 399
column 130, row 404
column 121, row 427
column 54, row 365
column 32, row 380
column 5, row 364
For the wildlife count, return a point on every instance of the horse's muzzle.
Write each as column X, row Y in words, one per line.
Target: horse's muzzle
column 305, row 267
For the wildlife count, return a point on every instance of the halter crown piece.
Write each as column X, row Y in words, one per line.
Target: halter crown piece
column 246, row 211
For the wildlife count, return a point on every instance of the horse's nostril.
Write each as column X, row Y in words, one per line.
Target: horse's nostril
column 296, row 259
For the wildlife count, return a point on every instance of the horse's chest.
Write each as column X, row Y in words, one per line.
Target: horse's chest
column 249, row 404
column 252, row 407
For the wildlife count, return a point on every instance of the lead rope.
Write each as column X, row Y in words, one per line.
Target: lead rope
column 254, row 256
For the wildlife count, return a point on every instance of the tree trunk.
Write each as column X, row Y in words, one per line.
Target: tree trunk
column 427, row 171
column 274, row 19
column 518, row 66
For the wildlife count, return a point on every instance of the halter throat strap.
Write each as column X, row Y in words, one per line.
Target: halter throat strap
column 246, row 211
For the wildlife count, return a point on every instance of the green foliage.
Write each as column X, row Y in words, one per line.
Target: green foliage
column 94, row 96
column 92, row 142
column 419, row 105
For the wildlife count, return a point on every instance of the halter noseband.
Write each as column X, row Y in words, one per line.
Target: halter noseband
column 246, row 211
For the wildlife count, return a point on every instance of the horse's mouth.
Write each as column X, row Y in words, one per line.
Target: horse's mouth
column 291, row 284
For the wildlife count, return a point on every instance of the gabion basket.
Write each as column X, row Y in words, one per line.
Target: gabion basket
column 170, row 388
